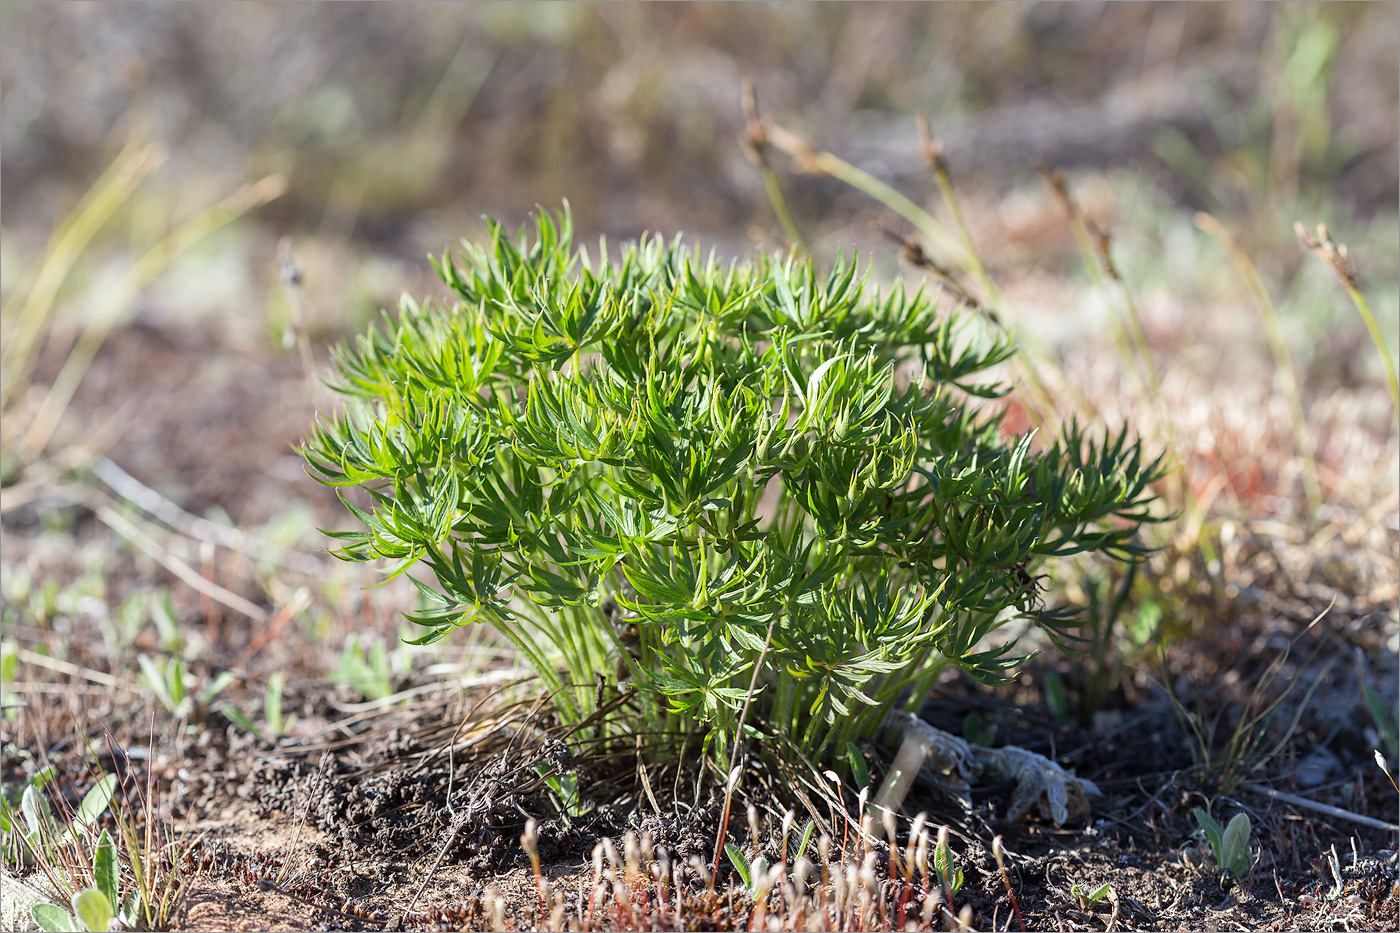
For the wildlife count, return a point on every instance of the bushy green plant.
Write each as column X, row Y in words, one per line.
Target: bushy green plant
column 701, row 478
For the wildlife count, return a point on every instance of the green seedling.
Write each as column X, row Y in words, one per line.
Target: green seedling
column 1230, row 845
column 806, row 840
column 1057, row 698
column 564, row 784
column 277, row 724
column 752, row 872
column 1088, row 898
column 860, row 773
column 166, row 679
column 368, row 673
column 977, row 732
column 94, row 908
column 167, row 623
column 945, row 866
column 576, row 451
column 1385, row 718
column 40, row 835
column 9, row 667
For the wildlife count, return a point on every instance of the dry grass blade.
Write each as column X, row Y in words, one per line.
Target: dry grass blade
column 809, row 159
column 1335, row 255
column 153, row 503
column 146, row 269
column 179, row 568
column 1283, row 360
column 24, row 328
column 755, row 142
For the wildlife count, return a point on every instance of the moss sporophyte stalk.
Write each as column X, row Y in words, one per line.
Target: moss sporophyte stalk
column 679, row 477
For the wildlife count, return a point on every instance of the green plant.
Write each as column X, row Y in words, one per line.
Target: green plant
column 1087, row 897
column 1057, row 698
column 277, row 724
column 977, row 732
column 94, row 908
column 750, row 871
column 9, row 667
column 166, row 678
column 368, row 673
column 1253, row 740
column 41, row 836
column 1386, row 719
column 1230, row 845
column 1112, row 635
column 755, row 482
column 564, row 784
column 945, row 866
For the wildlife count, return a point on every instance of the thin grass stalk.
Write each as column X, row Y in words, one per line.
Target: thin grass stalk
column 111, row 190
column 756, row 146
column 1283, row 360
column 963, row 251
column 932, row 152
column 150, row 265
column 738, row 744
column 1131, row 339
column 809, row 159
column 1364, row 310
column 1336, row 257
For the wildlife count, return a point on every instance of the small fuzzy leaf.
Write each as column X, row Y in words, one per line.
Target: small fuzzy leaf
column 806, row 839
column 36, row 810
column 92, row 910
column 1234, row 846
column 740, row 863
column 217, row 686
column 241, row 720
column 52, row 918
column 859, row 772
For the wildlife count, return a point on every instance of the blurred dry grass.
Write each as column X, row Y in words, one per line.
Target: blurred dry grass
column 396, row 126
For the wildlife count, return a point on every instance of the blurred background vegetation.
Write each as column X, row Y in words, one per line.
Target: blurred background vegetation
column 398, row 125
column 169, row 330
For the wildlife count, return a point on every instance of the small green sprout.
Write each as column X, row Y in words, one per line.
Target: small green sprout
column 564, row 784
column 1230, row 845
column 977, row 732
column 1088, row 898
column 750, row 872
column 945, row 865
column 368, row 673
column 92, row 909
column 1057, row 698
column 277, row 724
column 1386, row 719
column 166, row 678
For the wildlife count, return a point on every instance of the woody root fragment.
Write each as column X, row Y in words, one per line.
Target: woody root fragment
column 951, row 763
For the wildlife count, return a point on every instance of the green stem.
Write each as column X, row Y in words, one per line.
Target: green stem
column 1365, row 310
column 922, row 220
column 780, row 207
